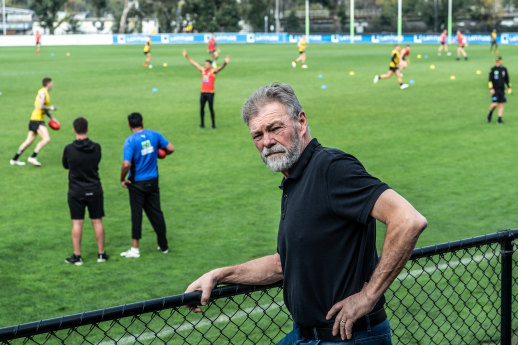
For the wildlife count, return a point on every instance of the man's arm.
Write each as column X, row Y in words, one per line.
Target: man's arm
column 261, row 271
column 404, row 225
column 42, row 105
column 194, row 63
column 124, row 172
column 64, row 159
column 508, row 82
column 227, row 60
column 169, row 149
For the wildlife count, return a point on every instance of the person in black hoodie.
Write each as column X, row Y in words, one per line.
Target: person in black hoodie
column 82, row 158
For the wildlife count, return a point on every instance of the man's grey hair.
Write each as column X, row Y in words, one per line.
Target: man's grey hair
column 275, row 92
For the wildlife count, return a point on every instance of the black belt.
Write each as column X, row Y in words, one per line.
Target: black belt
column 326, row 333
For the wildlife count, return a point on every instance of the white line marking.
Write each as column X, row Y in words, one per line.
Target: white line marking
column 261, row 309
column 203, row 323
column 451, row 264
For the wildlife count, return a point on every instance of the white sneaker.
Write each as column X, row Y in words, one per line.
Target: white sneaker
column 162, row 251
column 34, row 161
column 403, row 86
column 293, row 64
column 131, row 253
column 304, row 66
column 376, row 79
column 16, row 162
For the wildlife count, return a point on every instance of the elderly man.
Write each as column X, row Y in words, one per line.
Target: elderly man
column 326, row 253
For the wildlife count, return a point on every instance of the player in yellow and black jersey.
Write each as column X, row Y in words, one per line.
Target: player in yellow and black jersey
column 147, row 52
column 37, row 125
column 494, row 44
column 302, row 45
column 393, row 68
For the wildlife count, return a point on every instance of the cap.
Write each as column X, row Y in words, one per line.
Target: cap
column 498, row 58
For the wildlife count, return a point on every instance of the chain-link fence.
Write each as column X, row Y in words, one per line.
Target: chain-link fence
column 463, row 292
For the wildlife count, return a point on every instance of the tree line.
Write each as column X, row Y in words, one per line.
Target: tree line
column 230, row 15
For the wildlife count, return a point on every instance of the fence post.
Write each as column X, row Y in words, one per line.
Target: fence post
column 507, row 297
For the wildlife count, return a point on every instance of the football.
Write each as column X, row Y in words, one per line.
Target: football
column 54, row 124
column 161, row 153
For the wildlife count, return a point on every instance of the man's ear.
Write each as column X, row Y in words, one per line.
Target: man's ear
column 302, row 121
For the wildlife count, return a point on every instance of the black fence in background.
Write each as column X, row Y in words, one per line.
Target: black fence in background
column 462, row 292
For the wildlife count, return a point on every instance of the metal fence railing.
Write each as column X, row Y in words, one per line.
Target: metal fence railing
column 463, row 292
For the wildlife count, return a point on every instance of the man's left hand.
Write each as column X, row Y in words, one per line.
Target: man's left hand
column 347, row 312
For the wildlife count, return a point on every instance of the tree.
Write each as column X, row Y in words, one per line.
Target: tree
column 47, row 11
column 293, row 23
column 213, row 15
column 228, row 16
column 73, row 26
column 99, row 6
column 254, row 12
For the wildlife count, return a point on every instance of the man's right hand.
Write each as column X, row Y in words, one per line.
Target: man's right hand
column 205, row 284
column 124, row 183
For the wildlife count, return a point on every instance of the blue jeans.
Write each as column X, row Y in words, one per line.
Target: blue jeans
column 377, row 335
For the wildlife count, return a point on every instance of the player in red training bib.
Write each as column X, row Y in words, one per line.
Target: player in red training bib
column 37, row 35
column 462, row 43
column 404, row 57
column 207, row 86
column 213, row 50
column 444, row 43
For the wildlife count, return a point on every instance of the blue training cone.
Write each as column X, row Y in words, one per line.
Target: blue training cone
column 154, row 89
column 323, row 87
column 320, row 76
column 411, row 82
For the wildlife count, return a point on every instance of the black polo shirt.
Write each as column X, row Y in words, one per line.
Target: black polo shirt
column 327, row 238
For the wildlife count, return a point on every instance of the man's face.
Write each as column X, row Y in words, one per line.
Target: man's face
column 498, row 63
column 49, row 86
column 276, row 137
column 207, row 65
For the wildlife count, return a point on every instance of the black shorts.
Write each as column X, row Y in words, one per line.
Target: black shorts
column 94, row 202
column 212, row 51
column 149, row 52
column 34, row 125
column 443, row 43
column 393, row 69
column 499, row 96
column 302, row 52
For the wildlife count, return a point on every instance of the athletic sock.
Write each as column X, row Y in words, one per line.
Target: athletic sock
column 489, row 115
column 34, row 154
column 16, row 156
column 135, row 250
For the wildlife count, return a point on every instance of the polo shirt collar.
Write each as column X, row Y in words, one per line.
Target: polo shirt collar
column 303, row 161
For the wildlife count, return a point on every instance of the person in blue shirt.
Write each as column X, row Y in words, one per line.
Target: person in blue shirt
column 139, row 174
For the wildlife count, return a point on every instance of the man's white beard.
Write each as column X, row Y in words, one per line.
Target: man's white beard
column 287, row 157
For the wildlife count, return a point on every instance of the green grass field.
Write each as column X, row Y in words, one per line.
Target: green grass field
column 430, row 142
